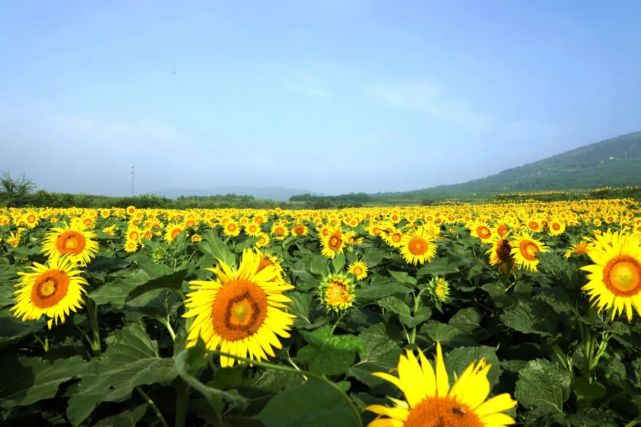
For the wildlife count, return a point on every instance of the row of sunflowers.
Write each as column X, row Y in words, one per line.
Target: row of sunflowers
column 272, row 317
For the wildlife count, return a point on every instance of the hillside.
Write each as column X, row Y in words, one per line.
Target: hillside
column 612, row 162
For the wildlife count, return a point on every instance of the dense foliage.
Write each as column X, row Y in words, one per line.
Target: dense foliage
column 123, row 356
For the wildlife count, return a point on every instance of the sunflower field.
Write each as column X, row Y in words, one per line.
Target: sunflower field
column 455, row 315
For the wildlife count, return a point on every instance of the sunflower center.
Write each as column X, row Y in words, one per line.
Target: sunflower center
column 502, row 229
column 441, row 412
column 529, row 250
column 622, row 276
column 239, row 310
column 396, row 237
column 70, row 242
column 334, row 242
column 417, row 246
column 483, row 232
column 337, row 294
column 503, row 251
column 357, row 271
column 49, row 288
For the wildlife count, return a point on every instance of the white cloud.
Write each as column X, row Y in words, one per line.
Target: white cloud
column 432, row 100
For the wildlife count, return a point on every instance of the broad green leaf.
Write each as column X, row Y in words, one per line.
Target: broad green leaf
column 213, row 246
column 530, row 318
column 319, row 265
column 26, row 380
column 312, row 404
column 461, row 357
column 438, row 267
column 543, row 387
column 328, row 354
column 124, row 419
column 338, row 262
column 131, row 360
column 588, row 390
column 170, row 281
column 403, row 277
column 377, row 290
column 13, row 329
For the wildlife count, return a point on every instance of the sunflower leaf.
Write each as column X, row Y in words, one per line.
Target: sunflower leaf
column 130, row 360
column 543, row 387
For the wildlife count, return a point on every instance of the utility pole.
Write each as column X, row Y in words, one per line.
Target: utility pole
column 132, row 179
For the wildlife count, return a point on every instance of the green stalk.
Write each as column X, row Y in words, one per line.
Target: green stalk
column 92, row 310
column 182, row 402
column 153, row 406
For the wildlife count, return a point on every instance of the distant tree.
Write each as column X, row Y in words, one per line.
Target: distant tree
column 15, row 190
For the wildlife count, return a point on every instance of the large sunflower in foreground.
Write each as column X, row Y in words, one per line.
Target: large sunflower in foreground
column 242, row 312
column 72, row 241
column 431, row 402
column 418, row 246
column 54, row 290
column 615, row 277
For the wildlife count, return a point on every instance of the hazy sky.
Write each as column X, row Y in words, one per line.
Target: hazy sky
column 329, row 96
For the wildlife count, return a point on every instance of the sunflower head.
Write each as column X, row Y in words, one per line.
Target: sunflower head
column 242, row 311
column 53, row 290
column 358, row 269
column 418, row 246
column 336, row 292
column 430, row 401
column 72, row 241
column 526, row 250
column 615, row 277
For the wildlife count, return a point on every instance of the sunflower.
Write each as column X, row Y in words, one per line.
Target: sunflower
column 72, row 241
column 14, row 238
column 439, row 289
column 300, row 229
column 173, row 231
column 253, row 229
column 54, row 290
column 336, row 292
column 358, row 269
column 501, row 253
column 481, row 230
column 556, row 227
column 332, row 244
column 615, row 277
column 418, row 246
column 242, row 312
column 263, row 240
column 525, row 250
column 231, row 229
column 393, row 237
column 431, row 402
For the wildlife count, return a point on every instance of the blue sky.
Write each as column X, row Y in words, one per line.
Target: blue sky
column 323, row 95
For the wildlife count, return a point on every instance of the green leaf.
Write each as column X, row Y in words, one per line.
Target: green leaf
column 403, row 277
column 311, row 404
column 328, row 354
column 461, row 357
column 124, row 419
column 445, row 333
column 12, row 329
column 215, row 247
column 171, row 281
column 338, row 262
column 25, row 380
column 438, row 267
column 543, row 387
column 377, row 290
column 587, row 390
column 531, row 317
column 131, row 360
column 378, row 348
column 319, row 265
column 466, row 320
column 373, row 256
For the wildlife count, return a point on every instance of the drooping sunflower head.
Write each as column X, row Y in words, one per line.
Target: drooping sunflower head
column 501, row 253
column 241, row 312
column 431, row 402
column 336, row 292
column 71, row 241
column 615, row 277
column 54, row 290
column 418, row 246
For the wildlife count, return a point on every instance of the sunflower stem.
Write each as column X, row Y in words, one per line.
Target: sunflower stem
column 182, row 402
column 153, row 406
column 92, row 310
column 266, row 365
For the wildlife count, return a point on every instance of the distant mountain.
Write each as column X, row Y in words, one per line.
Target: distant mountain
column 612, row 162
column 267, row 193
